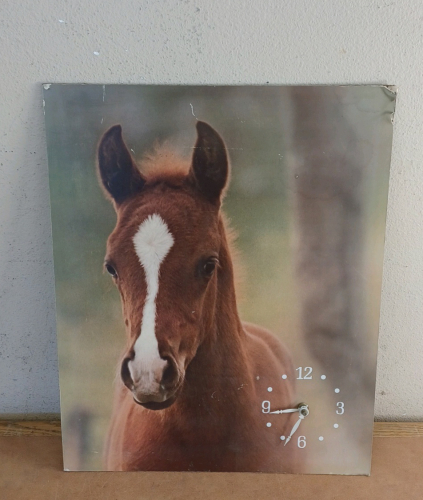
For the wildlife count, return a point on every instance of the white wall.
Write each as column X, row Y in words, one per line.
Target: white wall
column 203, row 41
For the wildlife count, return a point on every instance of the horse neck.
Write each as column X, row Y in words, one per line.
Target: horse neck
column 220, row 364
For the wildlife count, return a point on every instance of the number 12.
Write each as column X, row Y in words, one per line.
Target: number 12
column 307, row 374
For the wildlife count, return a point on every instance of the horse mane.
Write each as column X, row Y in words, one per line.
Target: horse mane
column 236, row 258
column 163, row 160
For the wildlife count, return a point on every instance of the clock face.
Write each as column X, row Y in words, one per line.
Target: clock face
column 318, row 425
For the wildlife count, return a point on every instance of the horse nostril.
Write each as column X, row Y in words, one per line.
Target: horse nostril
column 170, row 373
column 125, row 374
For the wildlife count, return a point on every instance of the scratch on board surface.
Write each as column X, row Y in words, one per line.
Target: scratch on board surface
column 192, row 111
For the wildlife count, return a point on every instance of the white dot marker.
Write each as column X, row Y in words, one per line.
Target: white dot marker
column 282, row 438
column 321, row 438
column 257, row 378
column 336, row 426
column 268, row 424
column 284, row 376
column 323, row 377
column 337, row 390
column 269, row 389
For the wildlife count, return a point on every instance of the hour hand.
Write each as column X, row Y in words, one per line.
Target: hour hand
column 289, row 410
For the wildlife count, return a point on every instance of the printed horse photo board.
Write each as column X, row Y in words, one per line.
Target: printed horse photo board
column 218, row 263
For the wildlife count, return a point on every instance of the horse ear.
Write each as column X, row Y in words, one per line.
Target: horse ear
column 209, row 168
column 118, row 172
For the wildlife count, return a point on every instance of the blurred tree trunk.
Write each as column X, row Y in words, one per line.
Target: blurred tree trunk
column 76, row 438
column 326, row 167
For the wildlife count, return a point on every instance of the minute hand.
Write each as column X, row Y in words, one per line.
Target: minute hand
column 297, row 424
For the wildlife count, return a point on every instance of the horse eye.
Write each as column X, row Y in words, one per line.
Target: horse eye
column 111, row 270
column 209, row 266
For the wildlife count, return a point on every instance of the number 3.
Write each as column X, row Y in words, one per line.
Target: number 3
column 340, row 410
column 302, row 442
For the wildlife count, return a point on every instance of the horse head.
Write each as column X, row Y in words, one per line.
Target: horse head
column 164, row 255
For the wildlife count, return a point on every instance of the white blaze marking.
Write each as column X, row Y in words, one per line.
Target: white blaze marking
column 152, row 243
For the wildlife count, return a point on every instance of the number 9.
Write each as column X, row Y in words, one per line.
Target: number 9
column 265, row 406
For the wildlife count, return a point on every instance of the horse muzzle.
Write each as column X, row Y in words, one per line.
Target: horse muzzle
column 154, row 385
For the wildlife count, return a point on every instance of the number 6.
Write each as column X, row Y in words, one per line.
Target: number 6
column 302, row 442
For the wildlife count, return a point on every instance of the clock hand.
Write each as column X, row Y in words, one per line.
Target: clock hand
column 290, row 410
column 303, row 412
column 302, row 408
column 297, row 424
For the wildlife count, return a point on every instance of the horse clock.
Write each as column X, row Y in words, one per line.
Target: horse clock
column 162, row 367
